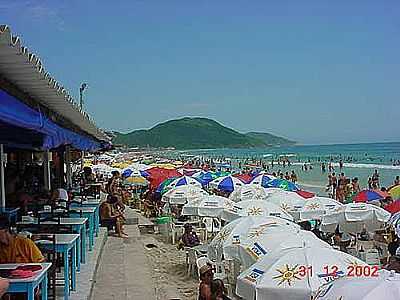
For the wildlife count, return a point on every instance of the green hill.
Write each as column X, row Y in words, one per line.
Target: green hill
column 270, row 139
column 190, row 133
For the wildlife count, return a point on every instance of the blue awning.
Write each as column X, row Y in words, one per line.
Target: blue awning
column 19, row 115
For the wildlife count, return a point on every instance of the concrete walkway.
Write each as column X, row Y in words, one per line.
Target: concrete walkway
column 124, row 272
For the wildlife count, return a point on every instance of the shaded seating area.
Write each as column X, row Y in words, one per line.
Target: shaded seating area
column 43, row 135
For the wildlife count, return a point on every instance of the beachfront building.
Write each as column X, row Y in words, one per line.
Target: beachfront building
column 42, row 131
column 37, row 115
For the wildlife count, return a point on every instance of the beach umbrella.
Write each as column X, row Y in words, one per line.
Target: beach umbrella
column 376, row 285
column 282, row 184
column 276, row 242
column 393, row 207
column 139, row 166
column 163, row 187
column 184, row 180
column 287, row 200
column 369, row 195
column 296, row 273
column 243, row 230
column 315, row 208
column 255, row 208
column 226, row 184
column 209, row 206
column 246, row 178
column 248, row 192
column 305, row 194
column 183, row 194
column 262, row 179
column 133, row 172
column 206, row 177
column 136, row 181
column 354, row 217
column 394, row 191
column 158, row 175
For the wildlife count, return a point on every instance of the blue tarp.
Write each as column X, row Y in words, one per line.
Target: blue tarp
column 18, row 114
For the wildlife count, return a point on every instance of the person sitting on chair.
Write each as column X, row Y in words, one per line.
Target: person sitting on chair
column 16, row 249
column 189, row 237
column 110, row 217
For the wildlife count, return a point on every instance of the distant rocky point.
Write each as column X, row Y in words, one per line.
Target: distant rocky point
column 197, row 133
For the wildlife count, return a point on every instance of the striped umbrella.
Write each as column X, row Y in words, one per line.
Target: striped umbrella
column 184, row 180
column 369, row 195
column 226, row 184
column 262, row 179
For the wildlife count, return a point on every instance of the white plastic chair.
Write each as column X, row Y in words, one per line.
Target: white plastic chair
column 372, row 257
column 191, row 261
column 212, row 225
column 176, row 232
column 201, row 261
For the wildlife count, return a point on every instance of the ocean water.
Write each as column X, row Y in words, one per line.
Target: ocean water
column 360, row 160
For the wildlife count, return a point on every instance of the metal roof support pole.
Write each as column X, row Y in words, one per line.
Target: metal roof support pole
column 46, row 166
column 67, row 156
column 2, row 188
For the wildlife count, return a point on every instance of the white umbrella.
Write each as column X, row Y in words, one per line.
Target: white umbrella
column 226, row 183
column 210, row 206
column 184, row 180
column 354, row 217
column 287, row 200
column 248, row 192
column 380, row 285
column 294, row 274
column 261, row 179
column 314, row 208
column 255, row 208
column 243, row 231
column 183, row 194
column 277, row 242
column 139, row 166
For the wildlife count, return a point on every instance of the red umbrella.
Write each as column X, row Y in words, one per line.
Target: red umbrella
column 158, row 175
column 305, row 194
column 246, row 178
column 393, row 207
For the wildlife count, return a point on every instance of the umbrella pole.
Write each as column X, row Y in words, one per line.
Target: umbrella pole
column 2, row 188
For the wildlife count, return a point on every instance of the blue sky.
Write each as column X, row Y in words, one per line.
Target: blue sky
column 314, row 71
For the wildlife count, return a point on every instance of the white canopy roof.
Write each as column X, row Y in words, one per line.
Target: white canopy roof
column 25, row 70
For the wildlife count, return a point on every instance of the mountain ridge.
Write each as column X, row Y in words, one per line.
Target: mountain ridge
column 196, row 133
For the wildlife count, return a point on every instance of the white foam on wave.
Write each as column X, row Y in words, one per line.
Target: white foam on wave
column 288, row 155
column 268, row 155
column 368, row 166
column 353, row 165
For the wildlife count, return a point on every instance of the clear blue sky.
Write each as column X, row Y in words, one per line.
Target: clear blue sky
column 314, row 71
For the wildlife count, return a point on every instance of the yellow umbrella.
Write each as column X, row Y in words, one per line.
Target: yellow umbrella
column 395, row 192
column 136, row 180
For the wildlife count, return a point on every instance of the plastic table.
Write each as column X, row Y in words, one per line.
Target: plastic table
column 28, row 285
column 65, row 244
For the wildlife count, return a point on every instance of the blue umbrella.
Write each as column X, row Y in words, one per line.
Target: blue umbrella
column 226, row 184
column 262, row 179
column 282, row 184
column 128, row 172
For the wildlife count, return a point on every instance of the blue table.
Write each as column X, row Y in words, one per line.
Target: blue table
column 28, row 285
column 78, row 226
column 76, row 212
column 90, row 214
column 65, row 244
column 91, row 202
